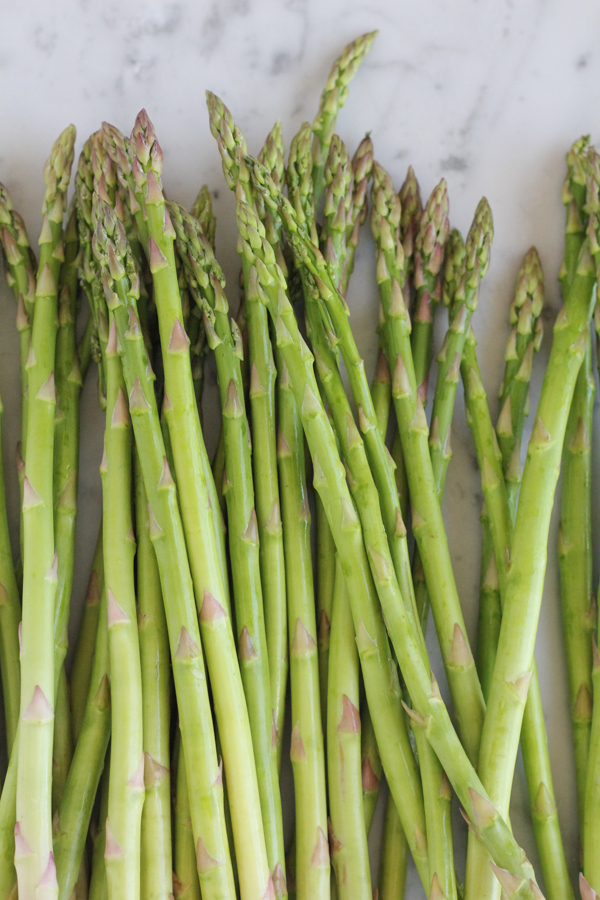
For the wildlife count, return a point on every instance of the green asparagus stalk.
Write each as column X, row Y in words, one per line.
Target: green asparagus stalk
column 19, row 270
column 74, row 814
column 335, row 94
column 98, row 883
column 362, row 168
column 203, row 211
column 262, row 406
column 394, row 856
column 534, row 742
column 202, row 769
column 126, row 790
column 371, row 767
column 524, row 340
column 186, row 885
column 524, row 584
column 207, row 287
column 81, row 668
column 429, row 243
column 430, row 712
column 348, row 835
column 62, row 751
column 156, row 854
column 271, row 539
column 312, row 864
column 10, row 616
column 33, row 832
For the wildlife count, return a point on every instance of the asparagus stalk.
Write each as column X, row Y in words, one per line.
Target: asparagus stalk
column 348, row 835
column 81, row 669
column 10, row 616
column 74, row 814
column 262, row 405
column 394, row 856
column 126, row 790
column 186, row 885
column 429, row 244
column 312, row 865
column 371, row 767
column 524, row 584
column 533, row 733
column 156, row 855
column 33, row 837
column 272, row 561
column 207, row 287
column 430, row 712
column 202, row 769
column 98, row 883
column 362, row 168
column 335, row 94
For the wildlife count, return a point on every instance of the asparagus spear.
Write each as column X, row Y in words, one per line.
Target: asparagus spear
column 429, row 711
column 74, row 814
column 126, row 789
column 207, row 287
column 262, row 405
column 533, row 733
column 312, row 872
column 81, row 668
column 10, row 616
column 429, row 243
column 202, row 769
column 156, row 855
column 186, row 885
column 33, row 842
column 394, row 856
column 348, row 835
column 335, row 94
column 524, row 584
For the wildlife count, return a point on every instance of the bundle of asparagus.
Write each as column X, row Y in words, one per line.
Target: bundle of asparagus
column 151, row 769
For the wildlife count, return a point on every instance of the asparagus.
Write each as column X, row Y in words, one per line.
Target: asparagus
column 156, row 865
column 533, row 733
column 202, row 769
column 362, row 168
column 312, row 869
column 98, row 883
column 126, row 789
column 394, row 856
column 524, row 584
column 371, row 767
column 186, row 885
column 33, row 835
column 74, row 814
column 272, row 560
column 335, row 94
column 10, row 616
column 262, row 406
column 207, row 287
column 429, row 244
column 348, row 835
column 429, row 711
column 524, row 340
column 81, row 668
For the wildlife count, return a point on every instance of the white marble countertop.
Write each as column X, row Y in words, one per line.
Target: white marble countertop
column 488, row 95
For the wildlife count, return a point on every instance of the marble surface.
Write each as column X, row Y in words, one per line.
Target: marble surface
column 488, row 95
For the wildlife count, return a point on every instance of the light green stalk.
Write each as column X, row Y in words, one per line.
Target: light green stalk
column 525, row 338
column 81, row 669
column 98, row 883
column 312, row 864
column 335, row 94
column 534, row 742
column 348, row 835
column 186, row 885
column 263, row 375
column 371, row 767
column 362, row 167
column 74, row 814
column 206, row 283
column 19, row 270
column 33, row 832
column 524, row 584
column 329, row 476
column 394, row 856
column 126, row 791
column 429, row 244
column 10, row 616
column 156, row 854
